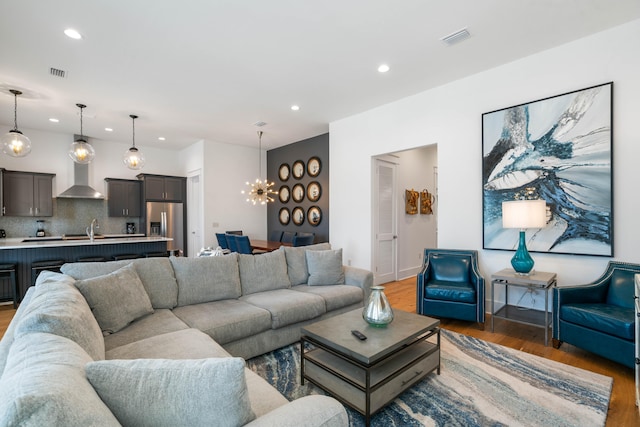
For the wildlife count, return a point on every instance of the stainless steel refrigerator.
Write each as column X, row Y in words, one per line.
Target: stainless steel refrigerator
column 167, row 220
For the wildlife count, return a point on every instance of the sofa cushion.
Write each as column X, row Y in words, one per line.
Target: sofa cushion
column 450, row 267
column 450, row 291
column 206, row 279
column 58, row 308
column 287, row 306
column 184, row 344
column 116, row 299
column 156, row 275
column 226, row 320
column 161, row 321
column 325, row 267
column 297, row 263
column 264, row 272
column 44, row 384
column 7, row 339
column 607, row 318
column 194, row 392
column 336, row 296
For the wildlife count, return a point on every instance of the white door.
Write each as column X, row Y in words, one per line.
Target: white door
column 194, row 222
column 385, row 227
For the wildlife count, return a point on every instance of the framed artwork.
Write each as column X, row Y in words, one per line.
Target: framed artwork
column 297, row 193
column 314, row 215
column 298, row 215
column 284, row 172
column 314, row 191
column 284, row 216
column 284, row 194
column 314, row 166
column 297, row 170
column 558, row 149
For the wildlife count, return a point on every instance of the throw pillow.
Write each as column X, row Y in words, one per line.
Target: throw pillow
column 199, row 392
column 265, row 272
column 296, row 261
column 325, row 267
column 116, row 299
column 206, row 279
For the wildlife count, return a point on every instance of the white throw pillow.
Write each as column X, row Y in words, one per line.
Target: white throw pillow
column 162, row 392
column 116, row 299
column 325, row 267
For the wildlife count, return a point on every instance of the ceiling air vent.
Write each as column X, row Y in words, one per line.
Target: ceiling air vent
column 56, row 72
column 260, row 124
column 456, row 37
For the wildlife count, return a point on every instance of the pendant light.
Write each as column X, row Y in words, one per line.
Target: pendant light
column 81, row 151
column 260, row 191
column 133, row 158
column 14, row 143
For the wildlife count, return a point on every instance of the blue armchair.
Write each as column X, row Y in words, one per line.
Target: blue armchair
column 450, row 285
column 599, row 317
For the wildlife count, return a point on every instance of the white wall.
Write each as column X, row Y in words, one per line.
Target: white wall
column 450, row 116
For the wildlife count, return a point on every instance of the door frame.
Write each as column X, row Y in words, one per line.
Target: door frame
column 194, row 213
column 391, row 160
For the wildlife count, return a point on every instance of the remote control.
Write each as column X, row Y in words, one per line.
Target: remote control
column 359, row 335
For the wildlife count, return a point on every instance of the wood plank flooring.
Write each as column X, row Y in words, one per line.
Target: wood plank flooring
column 402, row 295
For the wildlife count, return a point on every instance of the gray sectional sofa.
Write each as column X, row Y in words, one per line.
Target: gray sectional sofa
column 160, row 341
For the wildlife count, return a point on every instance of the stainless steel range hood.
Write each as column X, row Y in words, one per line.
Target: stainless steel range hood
column 80, row 188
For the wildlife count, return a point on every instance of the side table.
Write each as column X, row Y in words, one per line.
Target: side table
column 533, row 317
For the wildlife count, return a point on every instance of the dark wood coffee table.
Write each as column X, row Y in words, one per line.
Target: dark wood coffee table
column 366, row 375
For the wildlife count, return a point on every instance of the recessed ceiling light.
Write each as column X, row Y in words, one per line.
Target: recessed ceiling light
column 74, row 34
column 53, row 120
column 295, row 107
column 383, row 68
column 161, row 138
column 108, row 129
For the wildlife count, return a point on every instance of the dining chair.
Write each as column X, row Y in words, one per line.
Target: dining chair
column 234, row 232
column 287, row 236
column 222, row 240
column 275, row 235
column 243, row 244
column 303, row 240
column 231, row 242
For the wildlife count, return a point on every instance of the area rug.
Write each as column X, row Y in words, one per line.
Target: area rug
column 481, row 384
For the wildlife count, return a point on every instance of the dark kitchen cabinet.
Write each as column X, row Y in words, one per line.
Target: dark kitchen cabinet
column 163, row 188
column 27, row 193
column 124, row 197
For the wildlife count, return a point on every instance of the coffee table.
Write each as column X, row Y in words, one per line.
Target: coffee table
column 366, row 375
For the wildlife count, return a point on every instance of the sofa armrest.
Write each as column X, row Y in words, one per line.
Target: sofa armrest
column 308, row 411
column 592, row 293
column 359, row 277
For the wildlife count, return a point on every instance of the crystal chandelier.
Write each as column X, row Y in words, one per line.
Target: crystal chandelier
column 260, row 191
column 133, row 158
column 81, row 151
column 14, row 143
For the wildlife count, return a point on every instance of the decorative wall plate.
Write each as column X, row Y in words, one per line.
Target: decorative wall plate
column 298, row 215
column 297, row 170
column 297, row 193
column 314, row 215
column 283, row 172
column 284, row 216
column 314, row 191
column 284, row 194
column 314, row 166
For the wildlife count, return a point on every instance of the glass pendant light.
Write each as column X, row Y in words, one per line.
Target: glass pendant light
column 133, row 158
column 81, row 151
column 14, row 143
column 260, row 191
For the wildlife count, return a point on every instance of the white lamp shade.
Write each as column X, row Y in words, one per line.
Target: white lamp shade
column 524, row 214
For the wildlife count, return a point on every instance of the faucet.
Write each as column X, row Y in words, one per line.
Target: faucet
column 90, row 229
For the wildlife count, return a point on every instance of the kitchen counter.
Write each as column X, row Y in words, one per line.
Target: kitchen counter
column 58, row 241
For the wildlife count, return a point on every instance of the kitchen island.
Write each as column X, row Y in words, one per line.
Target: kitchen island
column 25, row 251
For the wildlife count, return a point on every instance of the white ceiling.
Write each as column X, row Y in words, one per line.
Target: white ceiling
column 209, row 69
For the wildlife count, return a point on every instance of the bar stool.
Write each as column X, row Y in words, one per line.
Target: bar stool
column 91, row 259
column 40, row 266
column 125, row 256
column 8, row 271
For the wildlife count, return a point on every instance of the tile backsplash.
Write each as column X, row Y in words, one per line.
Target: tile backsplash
column 70, row 216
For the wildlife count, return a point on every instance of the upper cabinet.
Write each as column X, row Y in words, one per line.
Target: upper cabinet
column 124, row 197
column 27, row 193
column 163, row 188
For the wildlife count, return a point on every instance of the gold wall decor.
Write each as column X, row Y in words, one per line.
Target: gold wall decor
column 411, row 201
column 426, row 202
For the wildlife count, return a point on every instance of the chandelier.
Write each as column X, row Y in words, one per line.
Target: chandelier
column 260, row 191
column 81, row 151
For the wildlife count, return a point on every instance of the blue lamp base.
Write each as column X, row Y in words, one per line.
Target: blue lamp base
column 522, row 262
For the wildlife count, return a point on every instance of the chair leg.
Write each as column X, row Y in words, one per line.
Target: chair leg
column 556, row 343
column 481, row 326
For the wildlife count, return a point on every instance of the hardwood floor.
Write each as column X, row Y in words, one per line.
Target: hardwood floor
column 402, row 295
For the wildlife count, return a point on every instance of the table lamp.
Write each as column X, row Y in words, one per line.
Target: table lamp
column 523, row 214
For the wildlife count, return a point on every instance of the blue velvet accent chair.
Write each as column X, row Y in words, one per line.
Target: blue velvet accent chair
column 600, row 316
column 450, row 285
column 300, row 240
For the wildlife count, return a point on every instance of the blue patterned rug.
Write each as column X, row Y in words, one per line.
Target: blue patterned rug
column 481, row 384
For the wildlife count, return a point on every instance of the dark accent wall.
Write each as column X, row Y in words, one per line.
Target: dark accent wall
column 318, row 146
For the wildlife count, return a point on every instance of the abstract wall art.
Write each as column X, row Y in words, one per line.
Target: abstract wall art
column 558, row 149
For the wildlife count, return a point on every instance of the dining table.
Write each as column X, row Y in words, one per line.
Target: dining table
column 268, row 245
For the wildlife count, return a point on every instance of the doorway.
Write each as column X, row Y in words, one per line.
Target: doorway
column 195, row 240
column 385, row 268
